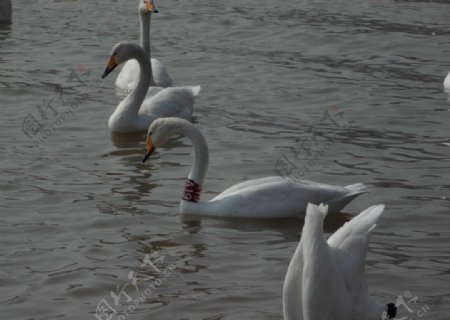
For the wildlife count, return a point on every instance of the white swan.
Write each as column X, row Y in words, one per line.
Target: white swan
column 136, row 112
column 5, row 10
column 270, row 197
column 129, row 75
column 325, row 279
column 447, row 83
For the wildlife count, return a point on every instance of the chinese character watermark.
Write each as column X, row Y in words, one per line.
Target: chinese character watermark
column 311, row 148
column 139, row 290
column 49, row 114
column 410, row 303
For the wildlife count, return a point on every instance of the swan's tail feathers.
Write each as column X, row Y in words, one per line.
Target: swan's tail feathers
column 196, row 90
column 339, row 203
column 312, row 233
column 357, row 229
column 353, row 237
column 367, row 220
column 316, row 212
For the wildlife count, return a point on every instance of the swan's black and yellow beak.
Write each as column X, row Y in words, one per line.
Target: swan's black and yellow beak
column 150, row 148
column 150, row 6
column 112, row 64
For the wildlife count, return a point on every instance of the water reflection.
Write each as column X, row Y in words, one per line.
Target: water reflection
column 5, row 30
column 284, row 227
column 134, row 180
column 268, row 75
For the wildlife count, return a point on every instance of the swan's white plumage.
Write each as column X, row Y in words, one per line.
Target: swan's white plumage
column 275, row 197
column 447, row 83
column 270, row 197
column 138, row 110
column 129, row 75
column 160, row 74
column 5, row 10
column 325, row 279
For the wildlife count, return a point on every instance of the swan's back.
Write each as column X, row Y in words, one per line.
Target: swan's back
column 171, row 102
column 278, row 197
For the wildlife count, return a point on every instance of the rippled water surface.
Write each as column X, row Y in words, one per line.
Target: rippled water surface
column 81, row 215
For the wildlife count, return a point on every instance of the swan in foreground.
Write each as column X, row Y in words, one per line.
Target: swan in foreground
column 129, row 75
column 136, row 112
column 5, row 10
column 447, row 83
column 325, row 279
column 270, row 197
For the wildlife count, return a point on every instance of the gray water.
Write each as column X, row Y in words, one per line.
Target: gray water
column 82, row 217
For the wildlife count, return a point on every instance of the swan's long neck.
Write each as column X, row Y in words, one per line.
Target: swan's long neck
column 145, row 38
column 201, row 154
column 190, row 201
column 133, row 101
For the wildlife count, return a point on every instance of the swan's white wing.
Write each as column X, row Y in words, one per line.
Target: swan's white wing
column 160, row 74
column 262, row 198
column 249, row 183
column 353, row 237
column 324, row 291
column 274, row 197
column 349, row 246
column 171, row 102
column 337, row 191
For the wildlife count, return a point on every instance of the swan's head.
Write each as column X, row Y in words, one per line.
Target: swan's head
column 161, row 130
column 390, row 312
column 120, row 53
column 147, row 7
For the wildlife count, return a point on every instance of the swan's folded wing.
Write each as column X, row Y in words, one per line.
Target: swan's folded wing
column 353, row 237
column 270, row 197
column 250, row 183
column 169, row 102
column 349, row 246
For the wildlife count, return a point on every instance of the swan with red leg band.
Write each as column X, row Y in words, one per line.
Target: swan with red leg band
column 192, row 191
column 269, row 197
